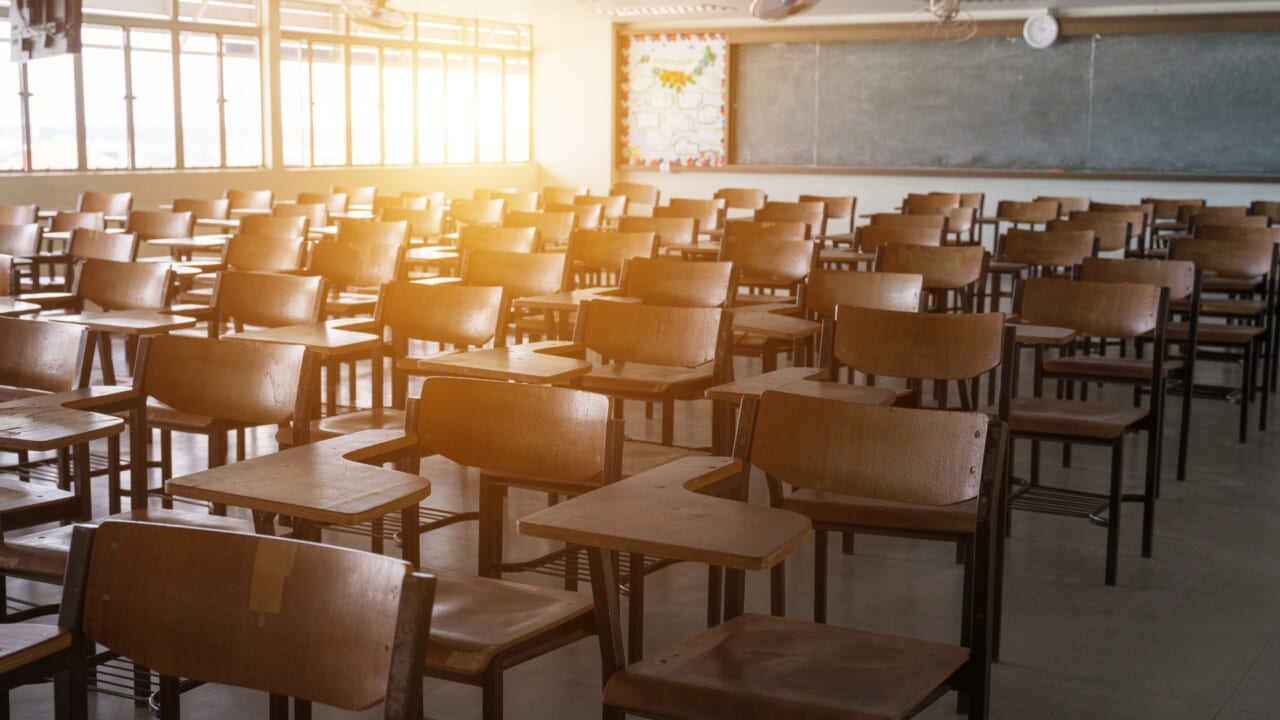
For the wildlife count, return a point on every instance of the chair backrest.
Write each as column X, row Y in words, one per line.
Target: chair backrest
column 810, row 212
column 961, row 219
column 705, row 212
column 742, row 229
column 216, row 209
column 334, row 202
column 669, row 230
column 884, row 290
column 159, row 224
column 609, row 250
column 317, row 214
column 573, row 444
column 836, row 207
column 250, row 199
column 42, row 355
column 637, row 193
column 1168, row 208
column 1092, row 309
column 1200, row 222
column 1268, row 208
column 930, row 204
column 8, row 276
column 490, row 193
column 742, row 198
column 518, row 201
column 17, row 214
column 519, row 274
column 282, row 227
column 669, row 281
column 115, row 204
column 356, row 194
column 263, row 254
column 477, row 212
column 115, row 285
column 435, row 198
column 905, row 455
column 259, row 600
column 612, row 206
column 553, row 228
column 424, row 223
column 379, row 231
column 68, row 220
column 382, row 203
column 20, row 240
column 504, row 239
column 871, row 238
column 1147, row 210
column 242, row 382
column 359, row 264
column 1229, row 232
column 926, row 220
column 450, row 313
column 652, row 334
column 1036, row 211
column 770, row 263
column 266, row 299
column 586, row 214
column 561, row 195
column 1239, row 258
column 975, row 200
column 1048, row 248
column 1177, row 275
column 1133, row 220
column 1067, row 204
column 947, row 267
column 1111, row 235
column 86, row 244
column 918, row 346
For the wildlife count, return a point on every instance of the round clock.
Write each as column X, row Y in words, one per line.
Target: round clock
column 1040, row 31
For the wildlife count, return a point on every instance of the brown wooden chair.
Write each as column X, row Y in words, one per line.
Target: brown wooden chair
column 435, row 198
column 17, row 214
column 217, row 209
column 333, row 202
column 259, row 299
column 811, row 212
column 596, row 257
column 835, row 207
column 23, row 241
column 708, row 214
column 870, row 238
column 1140, row 231
column 242, row 384
column 612, row 207
column 946, row 270
column 1199, row 222
column 917, row 221
column 1043, row 253
column 1246, row 266
column 741, row 199
column 359, row 260
column 382, row 203
column 375, row 612
column 666, row 281
column 1183, row 281
column 931, row 204
column 1030, row 214
column 8, row 275
column 317, row 214
column 882, row 290
column 1067, row 204
column 586, row 215
column 499, row 239
column 669, row 230
column 84, row 245
column 760, row 667
column 426, row 225
column 248, row 253
column 562, row 195
column 767, row 267
column 1167, row 214
column 519, row 275
column 637, row 194
column 655, row 353
column 1269, row 208
column 553, row 229
column 250, row 199
column 518, row 201
column 477, row 212
column 66, row 220
column 1112, row 235
column 356, row 194
column 152, row 225
column 111, row 286
column 747, row 230
column 114, row 204
column 490, row 193
column 284, row 227
column 1133, row 221
column 1103, row 311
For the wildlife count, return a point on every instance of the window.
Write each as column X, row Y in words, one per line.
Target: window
column 242, row 101
column 201, row 111
column 51, row 105
column 106, row 113
column 12, row 156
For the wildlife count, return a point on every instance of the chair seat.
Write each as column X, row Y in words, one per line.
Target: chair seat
column 349, row 303
column 1215, row 333
column 1239, row 285
column 197, row 296
column 1111, row 367
column 9, row 392
column 745, row 299
column 1050, row 416
column 760, row 667
column 42, row 555
column 164, row 417
column 474, row 620
column 638, row 456
column 1223, row 306
column 1004, row 266
column 834, row 508
column 639, row 378
column 353, row 422
column 17, row 496
column 49, row 299
column 24, row 643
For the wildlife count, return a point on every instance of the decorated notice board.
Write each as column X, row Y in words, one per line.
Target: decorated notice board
column 674, row 99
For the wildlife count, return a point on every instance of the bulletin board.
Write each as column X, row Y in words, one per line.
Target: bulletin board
column 674, row 99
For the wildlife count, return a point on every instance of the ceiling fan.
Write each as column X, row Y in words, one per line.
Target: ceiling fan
column 779, row 9
column 374, row 13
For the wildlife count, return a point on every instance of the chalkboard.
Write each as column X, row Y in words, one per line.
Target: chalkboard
column 1204, row 103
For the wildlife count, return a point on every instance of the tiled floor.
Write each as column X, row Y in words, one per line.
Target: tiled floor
column 1190, row 633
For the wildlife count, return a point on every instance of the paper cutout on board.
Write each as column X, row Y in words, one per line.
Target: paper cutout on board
column 674, row 99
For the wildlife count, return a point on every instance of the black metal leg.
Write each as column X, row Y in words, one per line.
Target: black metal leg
column 635, row 609
column 1113, row 515
column 820, row 576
